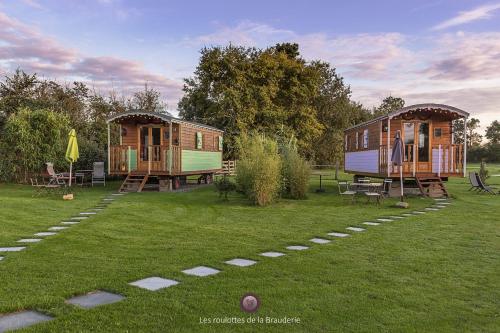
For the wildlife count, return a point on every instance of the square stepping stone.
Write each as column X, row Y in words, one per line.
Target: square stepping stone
column 338, row 234
column 97, row 209
column 29, row 240
column 431, row 209
column 272, row 254
column 385, row 220
column 70, row 222
column 445, row 203
column 241, row 262
column 357, row 229
column 201, row 271
column 43, row 234
column 17, row 320
column 57, row 228
column 79, row 218
column 88, row 213
column 1, row 258
column 154, row 283
column 12, row 248
column 371, row 223
column 440, row 199
column 320, row 240
column 93, row 299
column 108, row 199
column 396, row 217
column 440, row 206
column 418, row 212
column 297, row 247
column 118, row 194
column 407, row 215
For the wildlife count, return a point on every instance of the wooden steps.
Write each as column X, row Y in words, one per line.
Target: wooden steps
column 431, row 186
column 134, row 183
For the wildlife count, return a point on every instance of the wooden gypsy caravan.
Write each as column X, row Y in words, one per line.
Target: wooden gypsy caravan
column 430, row 152
column 161, row 149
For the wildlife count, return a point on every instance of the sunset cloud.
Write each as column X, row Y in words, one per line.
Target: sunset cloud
column 25, row 47
column 479, row 13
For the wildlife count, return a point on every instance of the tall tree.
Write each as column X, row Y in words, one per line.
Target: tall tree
column 388, row 105
column 473, row 136
column 273, row 91
column 148, row 100
column 493, row 132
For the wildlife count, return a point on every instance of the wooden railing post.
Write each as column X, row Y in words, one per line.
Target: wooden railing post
column 129, row 153
column 149, row 159
column 439, row 160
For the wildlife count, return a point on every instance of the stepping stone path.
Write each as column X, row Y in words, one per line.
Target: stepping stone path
column 96, row 298
column 241, row 262
column 440, row 206
column 297, row 247
column 70, row 222
column 79, row 218
column 201, row 271
column 371, row 223
column 154, row 283
column 338, row 234
column 29, row 240
column 355, row 229
column 12, row 249
column 57, row 228
column 21, row 319
column 272, row 254
column 385, row 220
column 46, row 233
column 320, row 240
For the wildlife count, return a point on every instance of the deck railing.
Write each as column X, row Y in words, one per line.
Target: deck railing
column 445, row 159
column 152, row 158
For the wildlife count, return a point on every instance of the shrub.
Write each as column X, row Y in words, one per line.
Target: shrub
column 483, row 172
column 30, row 138
column 224, row 186
column 258, row 173
column 296, row 172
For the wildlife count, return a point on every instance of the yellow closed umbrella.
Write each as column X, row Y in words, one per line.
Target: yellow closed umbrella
column 72, row 154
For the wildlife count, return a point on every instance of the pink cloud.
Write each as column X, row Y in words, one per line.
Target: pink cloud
column 24, row 46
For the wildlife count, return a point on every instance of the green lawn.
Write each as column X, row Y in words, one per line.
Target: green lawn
column 438, row 272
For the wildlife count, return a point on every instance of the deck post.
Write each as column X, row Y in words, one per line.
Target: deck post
column 109, row 147
column 388, row 147
column 128, row 158
column 439, row 161
column 170, row 157
column 149, row 159
column 465, row 147
column 414, row 159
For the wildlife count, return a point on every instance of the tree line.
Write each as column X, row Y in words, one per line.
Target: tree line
column 272, row 91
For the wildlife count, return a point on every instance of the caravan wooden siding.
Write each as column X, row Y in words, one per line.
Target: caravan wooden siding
column 426, row 131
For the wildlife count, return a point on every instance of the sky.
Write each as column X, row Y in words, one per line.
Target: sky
column 435, row 51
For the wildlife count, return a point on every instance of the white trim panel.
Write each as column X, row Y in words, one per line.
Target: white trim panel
column 362, row 161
